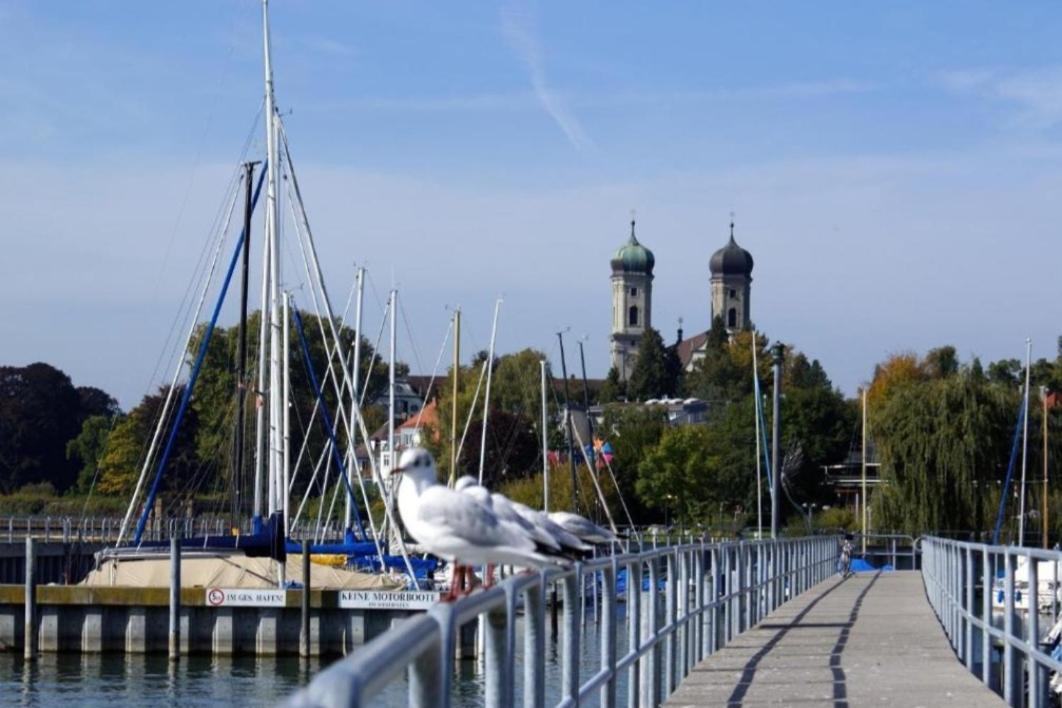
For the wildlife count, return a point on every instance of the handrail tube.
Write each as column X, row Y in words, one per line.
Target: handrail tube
column 948, row 570
column 662, row 649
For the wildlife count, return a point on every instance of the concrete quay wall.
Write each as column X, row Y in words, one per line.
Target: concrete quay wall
column 77, row 619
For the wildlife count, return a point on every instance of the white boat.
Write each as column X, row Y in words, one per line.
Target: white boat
column 1048, row 595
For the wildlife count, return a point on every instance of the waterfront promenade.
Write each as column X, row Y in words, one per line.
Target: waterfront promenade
column 871, row 639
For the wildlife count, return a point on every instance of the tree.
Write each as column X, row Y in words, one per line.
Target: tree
column 88, row 447
column 613, row 390
column 944, row 447
column 652, row 376
column 632, row 430
column 687, row 476
column 40, row 410
column 941, row 362
column 121, row 462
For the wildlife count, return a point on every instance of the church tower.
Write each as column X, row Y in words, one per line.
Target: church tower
column 632, row 302
column 731, row 284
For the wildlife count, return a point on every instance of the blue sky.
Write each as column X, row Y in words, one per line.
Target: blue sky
column 895, row 168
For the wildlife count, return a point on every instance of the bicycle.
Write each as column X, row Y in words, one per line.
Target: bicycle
column 844, row 563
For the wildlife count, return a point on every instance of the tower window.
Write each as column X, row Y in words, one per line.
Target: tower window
column 634, row 292
column 731, row 318
column 632, row 316
column 733, row 293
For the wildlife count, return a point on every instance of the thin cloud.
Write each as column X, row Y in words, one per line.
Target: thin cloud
column 1036, row 92
column 520, row 27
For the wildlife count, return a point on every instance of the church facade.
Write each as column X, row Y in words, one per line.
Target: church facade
column 730, row 296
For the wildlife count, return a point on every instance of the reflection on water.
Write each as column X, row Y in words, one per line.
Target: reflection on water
column 96, row 680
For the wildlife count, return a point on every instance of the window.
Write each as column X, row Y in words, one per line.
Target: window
column 733, row 293
column 632, row 316
column 634, row 292
column 731, row 318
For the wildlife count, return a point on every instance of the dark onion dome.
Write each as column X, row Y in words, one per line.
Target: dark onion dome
column 633, row 257
column 731, row 259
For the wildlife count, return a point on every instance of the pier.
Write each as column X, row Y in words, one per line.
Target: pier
column 733, row 623
column 870, row 639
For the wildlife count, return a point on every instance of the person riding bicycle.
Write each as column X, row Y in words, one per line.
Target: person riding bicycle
column 845, row 561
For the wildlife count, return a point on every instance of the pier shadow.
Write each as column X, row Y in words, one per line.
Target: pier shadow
column 840, row 689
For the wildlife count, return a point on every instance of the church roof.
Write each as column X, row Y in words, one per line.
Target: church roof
column 731, row 259
column 633, row 257
column 688, row 346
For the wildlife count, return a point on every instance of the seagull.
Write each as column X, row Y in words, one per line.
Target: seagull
column 582, row 527
column 454, row 525
column 507, row 511
column 541, row 518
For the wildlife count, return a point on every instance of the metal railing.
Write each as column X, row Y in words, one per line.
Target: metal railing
column 968, row 584
column 709, row 594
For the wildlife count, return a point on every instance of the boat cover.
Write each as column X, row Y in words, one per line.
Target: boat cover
column 233, row 571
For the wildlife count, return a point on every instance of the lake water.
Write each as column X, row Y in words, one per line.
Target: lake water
column 151, row 681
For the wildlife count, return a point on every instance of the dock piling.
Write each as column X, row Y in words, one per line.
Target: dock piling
column 175, row 598
column 30, row 632
column 304, row 634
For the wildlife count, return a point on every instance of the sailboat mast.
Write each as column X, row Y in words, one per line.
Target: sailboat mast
column 864, row 472
column 391, row 382
column 1024, row 444
column 260, row 395
column 241, row 346
column 355, row 375
column 453, row 404
column 272, row 234
column 568, row 419
column 486, row 396
column 545, row 440
column 586, row 404
column 1043, row 501
column 756, row 415
column 286, row 417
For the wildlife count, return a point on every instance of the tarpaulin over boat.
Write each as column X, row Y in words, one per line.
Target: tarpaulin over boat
column 233, row 571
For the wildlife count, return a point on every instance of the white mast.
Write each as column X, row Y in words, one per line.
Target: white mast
column 486, row 396
column 286, row 418
column 1024, row 442
column 356, row 370
column 260, row 423
column 866, row 497
column 391, row 383
column 545, row 441
column 756, row 415
column 272, row 238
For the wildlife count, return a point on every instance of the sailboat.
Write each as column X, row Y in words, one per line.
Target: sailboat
column 268, row 532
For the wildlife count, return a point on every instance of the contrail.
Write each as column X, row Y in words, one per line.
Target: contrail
column 520, row 28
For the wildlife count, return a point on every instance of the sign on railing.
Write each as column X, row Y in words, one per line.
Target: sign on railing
column 244, row 597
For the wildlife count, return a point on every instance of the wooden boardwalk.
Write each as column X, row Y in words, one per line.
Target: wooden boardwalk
column 871, row 639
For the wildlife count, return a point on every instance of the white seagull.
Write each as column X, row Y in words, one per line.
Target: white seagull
column 582, row 528
column 508, row 511
column 455, row 526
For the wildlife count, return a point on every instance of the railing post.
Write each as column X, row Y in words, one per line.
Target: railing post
column 535, row 644
column 427, row 684
column 700, row 597
column 634, row 627
column 728, row 591
column 496, row 665
column 969, row 588
column 713, row 602
column 570, row 625
column 987, row 579
column 608, row 633
column 1011, row 690
column 1032, row 633
column 651, row 664
column 669, row 622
